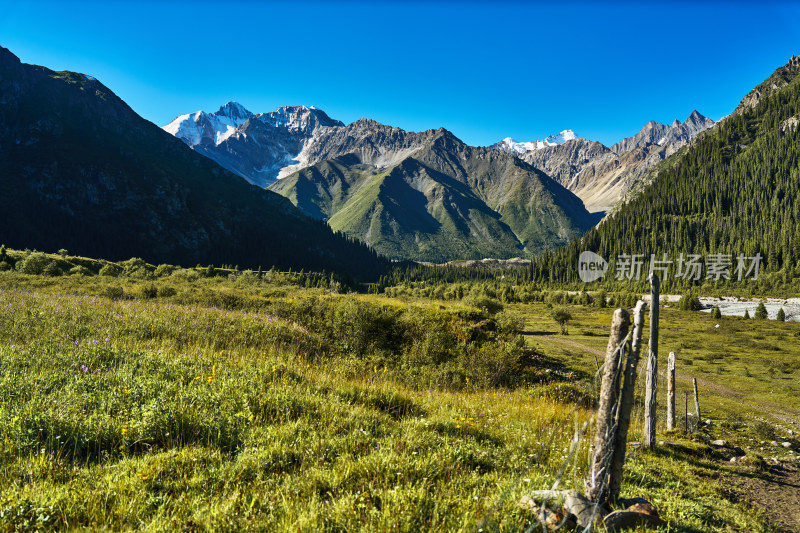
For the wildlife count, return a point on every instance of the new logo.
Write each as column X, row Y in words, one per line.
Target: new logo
column 591, row 266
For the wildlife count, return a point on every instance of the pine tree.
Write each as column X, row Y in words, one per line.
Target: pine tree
column 746, row 314
column 781, row 315
column 716, row 313
column 761, row 311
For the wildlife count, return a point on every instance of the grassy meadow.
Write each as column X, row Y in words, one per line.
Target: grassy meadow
column 240, row 403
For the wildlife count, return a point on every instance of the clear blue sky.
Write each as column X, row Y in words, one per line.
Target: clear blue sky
column 484, row 70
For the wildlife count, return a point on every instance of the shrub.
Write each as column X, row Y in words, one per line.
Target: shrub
column 63, row 252
column 115, row 293
column 149, row 291
column 163, row 270
column 80, row 270
column 781, row 315
column 52, row 269
column 33, row 263
column 690, row 302
column 4, row 266
column 561, row 316
column 491, row 305
column 187, row 274
column 509, row 324
column 134, row 266
column 716, row 313
column 166, row 292
column 493, row 364
column 600, row 300
column 764, row 430
column 110, row 270
column 761, row 311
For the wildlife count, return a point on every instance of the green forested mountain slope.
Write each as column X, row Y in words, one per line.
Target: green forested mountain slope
column 735, row 191
column 444, row 201
column 81, row 170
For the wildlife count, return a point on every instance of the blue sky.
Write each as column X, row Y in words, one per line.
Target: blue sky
column 484, row 70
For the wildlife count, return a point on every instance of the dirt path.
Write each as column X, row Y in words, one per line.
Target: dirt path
column 778, row 411
column 777, row 491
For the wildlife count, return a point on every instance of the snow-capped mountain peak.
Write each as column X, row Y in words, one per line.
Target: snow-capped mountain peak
column 256, row 147
column 510, row 145
column 194, row 128
column 234, row 110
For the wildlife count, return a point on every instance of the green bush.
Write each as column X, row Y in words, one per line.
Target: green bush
column 136, row 268
column 33, row 263
column 761, row 311
column 690, row 302
column 764, row 430
column 167, row 291
column 187, row 274
column 149, row 291
column 781, row 315
column 80, row 270
column 509, row 324
column 484, row 302
column 115, row 293
column 52, row 269
column 163, row 270
column 562, row 317
column 110, row 270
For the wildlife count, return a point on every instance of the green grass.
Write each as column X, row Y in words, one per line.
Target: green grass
column 176, row 413
column 750, row 367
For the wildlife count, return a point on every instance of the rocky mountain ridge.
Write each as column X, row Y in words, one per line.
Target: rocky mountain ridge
column 428, row 196
column 257, row 147
column 601, row 176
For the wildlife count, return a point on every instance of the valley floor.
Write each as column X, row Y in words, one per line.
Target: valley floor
column 172, row 412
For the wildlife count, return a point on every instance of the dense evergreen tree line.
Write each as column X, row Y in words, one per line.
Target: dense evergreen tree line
column 736, row 191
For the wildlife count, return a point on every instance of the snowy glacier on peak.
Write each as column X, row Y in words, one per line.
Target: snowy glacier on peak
column 194, row 128
column 258, row 147
column 510, row 145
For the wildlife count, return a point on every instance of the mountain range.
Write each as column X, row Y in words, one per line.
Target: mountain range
column 267, row 147
column 430, row 197
column 601, row 176
column 425, row 196
column 81, row 170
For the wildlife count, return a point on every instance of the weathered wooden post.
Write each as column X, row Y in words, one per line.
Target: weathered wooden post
column 686, row 409
column 626, row 403
column 652, row 368
column 696, row 401
column 596, row 484
column 671, row 391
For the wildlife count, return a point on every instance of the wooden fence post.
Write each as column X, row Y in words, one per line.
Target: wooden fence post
column 652, row 368
column 671, row 391
column 696, row 401
column 626, row 403
column 596, row 484
column 686, row 409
